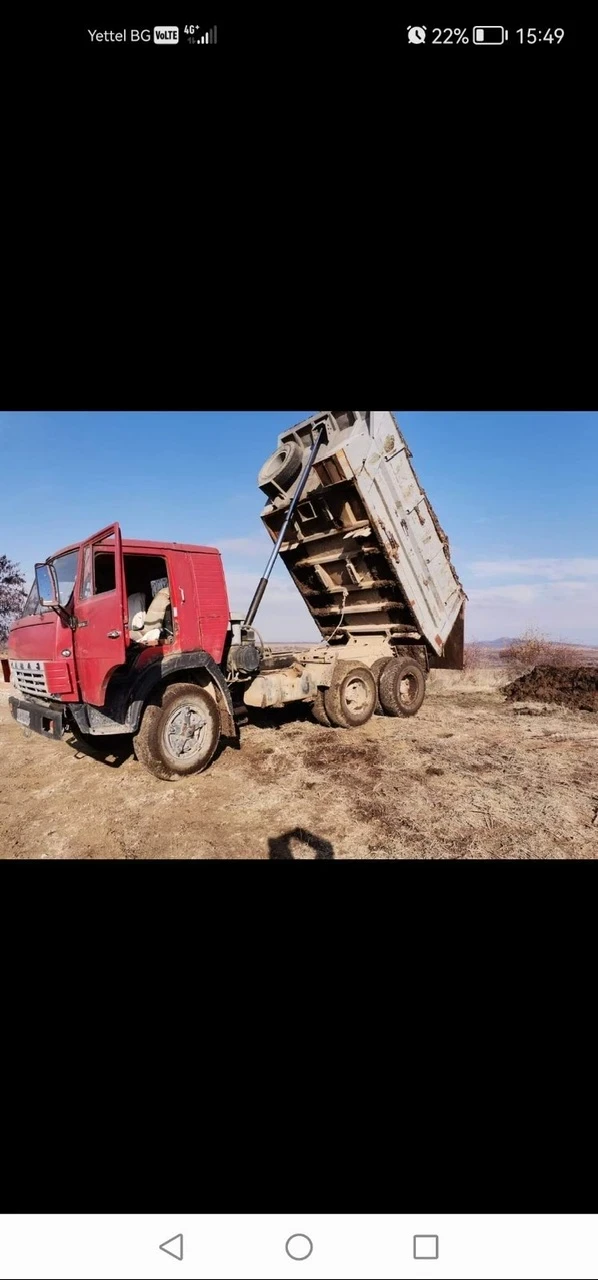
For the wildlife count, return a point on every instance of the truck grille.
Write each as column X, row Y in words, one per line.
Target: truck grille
column 30, row 677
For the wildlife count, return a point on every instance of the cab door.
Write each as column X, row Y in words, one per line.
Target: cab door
column 100, row 637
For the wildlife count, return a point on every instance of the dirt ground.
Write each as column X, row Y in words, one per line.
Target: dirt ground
column 471, row 776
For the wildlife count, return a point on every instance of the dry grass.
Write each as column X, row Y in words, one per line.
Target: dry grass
column 470, row 776
column 484, row 678
column 473, row 657
column 533, row 649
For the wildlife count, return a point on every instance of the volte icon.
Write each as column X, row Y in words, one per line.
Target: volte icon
column 174, row 1247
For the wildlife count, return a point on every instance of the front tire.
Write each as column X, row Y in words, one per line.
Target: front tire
column 179, row 732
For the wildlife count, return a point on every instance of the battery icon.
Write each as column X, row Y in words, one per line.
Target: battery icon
column 489, row 35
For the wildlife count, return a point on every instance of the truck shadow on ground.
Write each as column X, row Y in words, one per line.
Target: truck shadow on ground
column 276, row 717
column 115, row 751
column 112, row 752
column 279, row 847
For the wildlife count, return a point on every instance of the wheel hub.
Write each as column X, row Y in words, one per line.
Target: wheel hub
column 185, row 731
column 356, row 694
column 407, row 690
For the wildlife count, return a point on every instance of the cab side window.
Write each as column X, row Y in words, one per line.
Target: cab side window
column 97, row 575
column 104, row 575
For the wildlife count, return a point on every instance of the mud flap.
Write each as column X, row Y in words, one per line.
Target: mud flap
column 452, row 658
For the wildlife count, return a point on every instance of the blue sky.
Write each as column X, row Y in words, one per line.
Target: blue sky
column 517, row 494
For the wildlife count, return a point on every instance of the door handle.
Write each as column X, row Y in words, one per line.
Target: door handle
column 113, row 635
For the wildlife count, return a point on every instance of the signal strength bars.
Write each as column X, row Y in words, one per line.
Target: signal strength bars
column 210, row 37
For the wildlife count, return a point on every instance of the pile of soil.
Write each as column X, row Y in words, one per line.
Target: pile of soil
column 575, row 687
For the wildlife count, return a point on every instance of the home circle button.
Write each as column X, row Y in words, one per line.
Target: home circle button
column 299, row 1247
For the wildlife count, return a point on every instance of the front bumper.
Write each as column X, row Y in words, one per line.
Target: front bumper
column 42, row 720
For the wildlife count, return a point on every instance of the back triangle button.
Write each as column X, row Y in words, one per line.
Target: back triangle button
column 174, row 1247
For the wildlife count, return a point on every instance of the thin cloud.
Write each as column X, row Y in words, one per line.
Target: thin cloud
column 562, row 608
column 523, row 592
column 515, row 593
column 553, row 568
column 239, row 579
column 246, row 546
column 282, row 615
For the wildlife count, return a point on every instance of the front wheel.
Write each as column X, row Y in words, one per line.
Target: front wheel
column 179, row 732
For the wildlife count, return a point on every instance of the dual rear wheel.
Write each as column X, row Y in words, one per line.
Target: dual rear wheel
column 392, row 686
column 402, row 687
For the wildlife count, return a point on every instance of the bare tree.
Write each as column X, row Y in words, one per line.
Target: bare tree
column 12, row 594
column 473, row 658
column 533, row 649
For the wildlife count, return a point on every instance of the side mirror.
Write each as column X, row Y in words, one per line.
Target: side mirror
column 45, row 586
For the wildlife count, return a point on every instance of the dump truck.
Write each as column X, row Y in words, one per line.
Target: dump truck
column 131, row 637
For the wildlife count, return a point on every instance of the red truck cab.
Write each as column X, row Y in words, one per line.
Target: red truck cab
column 77, row 661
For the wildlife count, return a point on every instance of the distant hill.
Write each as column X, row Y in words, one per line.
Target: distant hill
column 501, row 643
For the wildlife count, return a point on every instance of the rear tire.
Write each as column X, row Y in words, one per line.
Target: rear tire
column 402, row 687
column 351, row 699
column 318, row 710
column 179, row 732
column 376, row 669
column 415, row 653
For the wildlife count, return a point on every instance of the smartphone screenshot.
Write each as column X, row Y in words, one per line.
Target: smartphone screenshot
column 236, row 633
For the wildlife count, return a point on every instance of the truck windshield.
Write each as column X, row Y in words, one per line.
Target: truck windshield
column 32, row 604
column 65, row 568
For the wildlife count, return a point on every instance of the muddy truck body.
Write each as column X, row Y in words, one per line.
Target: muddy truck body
column 123, row 636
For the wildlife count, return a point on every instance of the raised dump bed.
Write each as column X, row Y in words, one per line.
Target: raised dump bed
column 365, row 548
